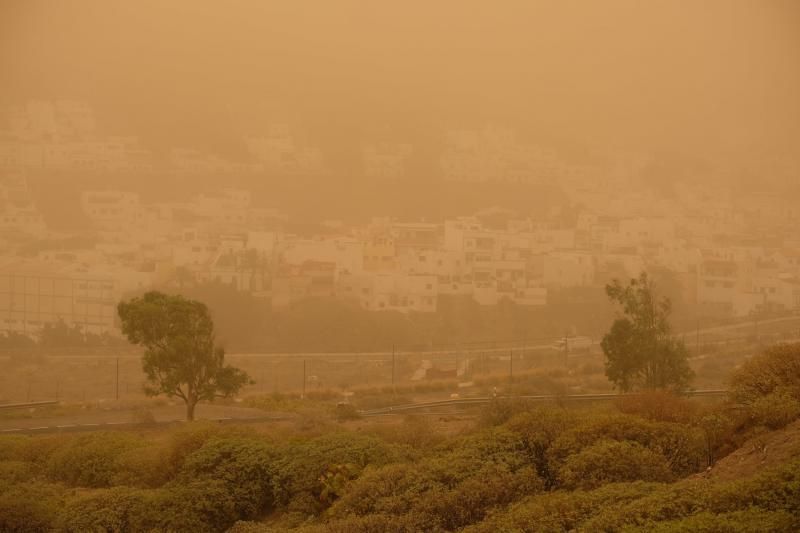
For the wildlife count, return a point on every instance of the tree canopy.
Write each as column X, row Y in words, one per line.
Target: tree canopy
column 181, row 357
column 640, row 350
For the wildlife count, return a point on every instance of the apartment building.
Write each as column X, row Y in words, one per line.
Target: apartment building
column 390, row 292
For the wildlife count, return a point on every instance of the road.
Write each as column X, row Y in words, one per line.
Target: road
column 98, row 419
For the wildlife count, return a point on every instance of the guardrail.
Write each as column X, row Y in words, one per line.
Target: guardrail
column 396, row 409
column 27, row 405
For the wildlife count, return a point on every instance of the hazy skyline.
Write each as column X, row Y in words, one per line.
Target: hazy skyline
column 707, row 79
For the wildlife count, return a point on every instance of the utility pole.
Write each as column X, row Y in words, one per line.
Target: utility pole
column 304, row 380
column 394, row 390
column 756, row 326
column 698, row 337
column 511, row 365
column 117, row 380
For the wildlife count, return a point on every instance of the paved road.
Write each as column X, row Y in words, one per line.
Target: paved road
column 95, row 419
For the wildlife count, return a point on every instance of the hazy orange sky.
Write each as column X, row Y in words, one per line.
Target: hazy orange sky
column 685, row 75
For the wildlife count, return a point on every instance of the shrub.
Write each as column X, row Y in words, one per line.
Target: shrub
column 415, row 431
column 16, row 471
column 471, row 499
column 673, row 502
column 244, row 466
column 31, row 449
column 115, row 509
column 204, row 506
column 373, row 523
column 392, row 489
column 346, row 411
column 776, row 489
column 776, row 368
column 142, row 467
column 538, row 429
column 199, row 506
column 466, row 456
column 453, row 487
column 10, row 446
column 611, row 462
column 719, row 432
column 192, row 437
column 657, row 405
column 560, row 510
column 244, row 526
column 29, row 507
column 776, row 409
column 752, row 520
column 500, row 410
column 91, row 460
column 683, row 447
column 302, row 462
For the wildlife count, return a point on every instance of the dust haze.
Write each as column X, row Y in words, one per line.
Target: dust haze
column 311, row 217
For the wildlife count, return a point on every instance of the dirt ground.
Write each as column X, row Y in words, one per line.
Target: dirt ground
column 763, row 451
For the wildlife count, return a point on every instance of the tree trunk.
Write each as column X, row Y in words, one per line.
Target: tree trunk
column 190, row 405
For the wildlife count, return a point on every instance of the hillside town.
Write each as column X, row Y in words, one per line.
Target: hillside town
column 730, row 256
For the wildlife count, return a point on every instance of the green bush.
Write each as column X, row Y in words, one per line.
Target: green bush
column 10, row 446
column 17, row 471
column 683, row 447
column 539, row 429
column 415, row 431
column 657, row 405
column 775, row 410
column 777, row 489
column 612, row 462
column 456, row 485
column 774, row 489
column 142, row 466
column 296, row 483
column 29, row 507
column 114, row 509
column 672, row 502
column 244, row 466
column 31, row 449
column 466, row 456
column 752, row 520
column 560, row 510
column 778, row 368
column 192, row 437
column 91, row 460
column 345, row 412
column 501, row 410
column 198, row 506
column 471, row 499
column 392, row 489
column 373, row 523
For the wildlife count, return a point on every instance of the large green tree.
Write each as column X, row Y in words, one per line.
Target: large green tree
column 181, row 358
column 640, row 350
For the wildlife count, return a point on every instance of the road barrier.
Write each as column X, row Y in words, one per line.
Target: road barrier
column 398, row 409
